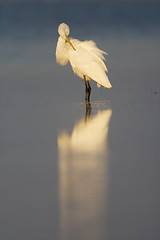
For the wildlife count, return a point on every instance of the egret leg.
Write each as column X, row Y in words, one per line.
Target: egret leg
column 86, row 88
column 89, row 91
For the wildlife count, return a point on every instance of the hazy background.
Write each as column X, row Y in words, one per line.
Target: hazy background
column 110, row 195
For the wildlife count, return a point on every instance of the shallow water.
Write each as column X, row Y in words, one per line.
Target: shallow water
column 70, row 170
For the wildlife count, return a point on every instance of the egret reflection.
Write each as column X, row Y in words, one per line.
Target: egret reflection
column 83, row 180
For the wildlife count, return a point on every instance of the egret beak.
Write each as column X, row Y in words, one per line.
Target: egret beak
column 67, row 39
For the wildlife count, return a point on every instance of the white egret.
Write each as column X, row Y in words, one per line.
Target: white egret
column 86, row 59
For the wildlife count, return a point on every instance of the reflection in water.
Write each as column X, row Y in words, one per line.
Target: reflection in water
column 83, row 178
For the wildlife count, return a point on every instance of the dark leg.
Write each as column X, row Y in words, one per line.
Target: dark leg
column 89, row 91
column 86, row 88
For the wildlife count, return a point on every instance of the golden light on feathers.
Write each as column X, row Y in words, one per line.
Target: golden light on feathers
column 86, row 59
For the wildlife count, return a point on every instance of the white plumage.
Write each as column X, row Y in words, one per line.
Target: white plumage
column 86, row 59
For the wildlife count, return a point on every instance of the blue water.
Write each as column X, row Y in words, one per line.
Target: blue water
column 70, row 170
column 23, row 20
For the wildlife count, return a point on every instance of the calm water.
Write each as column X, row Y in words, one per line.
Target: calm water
column 70, row 170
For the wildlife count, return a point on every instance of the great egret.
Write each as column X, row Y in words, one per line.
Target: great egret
column 86, row 59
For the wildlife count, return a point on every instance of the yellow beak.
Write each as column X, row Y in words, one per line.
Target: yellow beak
column 67, row 39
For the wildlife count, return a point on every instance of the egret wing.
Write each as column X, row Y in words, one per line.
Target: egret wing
column 84, row 63
column 92, row 49
column 96, row 73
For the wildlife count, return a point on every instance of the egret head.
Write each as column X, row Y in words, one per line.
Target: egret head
column 63, row 30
